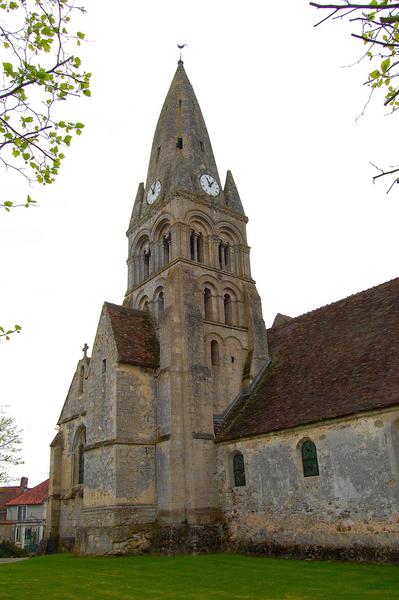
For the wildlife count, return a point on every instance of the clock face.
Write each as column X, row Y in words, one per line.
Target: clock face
column 153, row 192
column 209, row 184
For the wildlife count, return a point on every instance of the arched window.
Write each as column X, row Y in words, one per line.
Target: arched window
column 161, row 303
column 196, row 246
column 224, row 256
column 200, row 248
column 207, row 303
column 309, row 459
column 166, row 242
column 81, row 463
column 146, row 263
column 228, row 309
column 79, row 445
column 144, row 304
column 239, row 469
column 226, row 251
column 215, row 361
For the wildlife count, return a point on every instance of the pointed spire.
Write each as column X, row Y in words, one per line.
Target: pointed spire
column 181, row 150
column 233, row 200
column 138, row 203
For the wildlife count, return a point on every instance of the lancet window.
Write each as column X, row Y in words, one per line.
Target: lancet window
column 79, row 461
column 224, row 256
column 146, row 263
column 228, row 309
column 208, row 304
column 239, row 469
column 215, row 359
column 196, row 246
column 166, row 244
column 309, row 459
column 159, row 302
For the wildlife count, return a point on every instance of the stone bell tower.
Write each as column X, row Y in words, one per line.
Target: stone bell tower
column 189, row 265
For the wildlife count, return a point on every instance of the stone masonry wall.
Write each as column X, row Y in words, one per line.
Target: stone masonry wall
column 353, row 503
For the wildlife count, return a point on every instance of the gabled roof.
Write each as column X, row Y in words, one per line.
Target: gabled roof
column 36, row 495
column 335, row 361
column 134, row 335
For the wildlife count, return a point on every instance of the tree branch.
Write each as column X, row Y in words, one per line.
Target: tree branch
column 351, row 5
column 373, row 41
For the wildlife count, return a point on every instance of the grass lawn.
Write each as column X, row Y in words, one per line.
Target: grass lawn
column 215, row 577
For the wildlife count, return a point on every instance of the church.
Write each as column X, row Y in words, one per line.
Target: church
column 192, row 428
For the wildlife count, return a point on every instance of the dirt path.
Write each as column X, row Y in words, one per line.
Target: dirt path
column 11, row 560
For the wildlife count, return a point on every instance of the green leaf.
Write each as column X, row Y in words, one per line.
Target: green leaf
column 375, row 74
column 7, row 68
column 385, row 65
column 47, row 31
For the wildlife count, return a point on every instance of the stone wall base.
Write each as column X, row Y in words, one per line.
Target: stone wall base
column 56, row 544
column 190, row 539
column 139, row 539
column 352, row 553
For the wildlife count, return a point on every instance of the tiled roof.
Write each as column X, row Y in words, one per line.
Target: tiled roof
column 35, row 495
column 8, row 493
column 135, row 336
column 335, row 361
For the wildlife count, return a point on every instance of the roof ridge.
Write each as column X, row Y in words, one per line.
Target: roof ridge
column 41, row 491
column 319, row 308
column 336, row 361
column 126, row 308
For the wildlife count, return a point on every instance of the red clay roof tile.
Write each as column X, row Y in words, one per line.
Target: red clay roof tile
column 35, row 495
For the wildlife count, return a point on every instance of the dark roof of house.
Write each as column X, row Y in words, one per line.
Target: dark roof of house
column 335, row 361
column 135, row 335
column 35, row 495
column 7, row 493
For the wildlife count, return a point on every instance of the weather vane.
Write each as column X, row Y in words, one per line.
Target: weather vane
column 181, row 46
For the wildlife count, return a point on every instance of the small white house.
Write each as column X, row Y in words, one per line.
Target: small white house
column 28, row 513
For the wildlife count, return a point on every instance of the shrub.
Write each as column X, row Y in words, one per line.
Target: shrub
column 10, row 550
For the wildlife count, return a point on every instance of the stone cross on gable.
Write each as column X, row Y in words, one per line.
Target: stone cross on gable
column 84, row 350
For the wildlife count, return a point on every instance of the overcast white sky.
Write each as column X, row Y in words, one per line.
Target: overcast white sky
column 281, row 115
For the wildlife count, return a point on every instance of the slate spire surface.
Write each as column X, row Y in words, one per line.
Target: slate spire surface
column 181, row 150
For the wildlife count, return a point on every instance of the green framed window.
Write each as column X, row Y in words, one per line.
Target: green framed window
column 309, row 459
column 239, row 470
